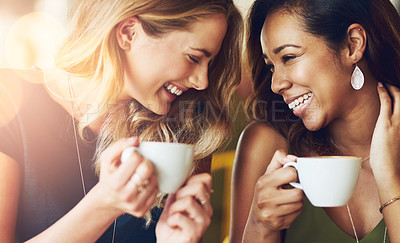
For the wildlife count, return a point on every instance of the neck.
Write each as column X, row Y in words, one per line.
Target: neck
column 352, row 133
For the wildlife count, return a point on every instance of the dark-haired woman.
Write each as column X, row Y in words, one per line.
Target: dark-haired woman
column 326, row 78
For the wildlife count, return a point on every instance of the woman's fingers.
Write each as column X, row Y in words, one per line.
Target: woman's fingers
column 395, row 99
column 199, row 187
column 189, row 230
column 131, row 184
column 124, row 173
column 114, row 151
column 274, row 205
column 280, row 177
column 278, row 160
column 189, row 206
column 140, row 197
column 386, row 102
column 110, row 158
column 187, row 217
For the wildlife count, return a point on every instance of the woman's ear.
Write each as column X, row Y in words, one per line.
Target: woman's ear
column 125, row 32
column 356, row 42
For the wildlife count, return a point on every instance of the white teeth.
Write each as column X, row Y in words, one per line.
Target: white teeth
column 296, row 104
column 173, row 89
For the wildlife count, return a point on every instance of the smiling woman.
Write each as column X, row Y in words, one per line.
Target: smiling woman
column 129, row 71
column 326, row 80
column 182, row 60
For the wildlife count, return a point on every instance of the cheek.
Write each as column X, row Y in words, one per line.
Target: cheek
column 177, row 70
column 303, row 74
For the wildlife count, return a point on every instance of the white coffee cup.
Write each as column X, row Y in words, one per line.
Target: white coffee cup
column 172, row 162
column 327, row 181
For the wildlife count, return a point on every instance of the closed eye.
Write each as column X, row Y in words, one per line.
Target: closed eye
column 193, row 59
column 287, row 58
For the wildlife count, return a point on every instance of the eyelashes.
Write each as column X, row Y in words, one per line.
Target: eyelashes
column 287, row 58
column 193, row 59
column 284, row 59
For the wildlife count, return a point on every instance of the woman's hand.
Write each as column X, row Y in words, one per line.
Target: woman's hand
column 187, row 213
column 385, row 152
column 128, row 187
column 275, row 208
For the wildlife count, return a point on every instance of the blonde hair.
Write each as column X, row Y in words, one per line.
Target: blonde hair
column 197, row 117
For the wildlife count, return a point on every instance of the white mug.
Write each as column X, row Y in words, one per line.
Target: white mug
column 327, row 181
column 172, row 162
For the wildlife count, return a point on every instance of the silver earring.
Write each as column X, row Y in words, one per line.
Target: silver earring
column 357, row 78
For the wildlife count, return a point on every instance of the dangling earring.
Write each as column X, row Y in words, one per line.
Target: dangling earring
column 357, row 78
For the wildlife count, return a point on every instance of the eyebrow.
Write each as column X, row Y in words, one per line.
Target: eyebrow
column 204, row 51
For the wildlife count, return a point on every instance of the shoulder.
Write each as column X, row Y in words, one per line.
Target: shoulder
column 259, row 136
column 257, row 144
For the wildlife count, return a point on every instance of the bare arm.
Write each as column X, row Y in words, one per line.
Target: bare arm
column 9, row 196
column 385, row 157
column 256, row 147
column 87, row 221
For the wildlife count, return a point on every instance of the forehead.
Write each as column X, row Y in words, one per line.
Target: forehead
column 210, row 31
column 205, row 34
column 281, row 27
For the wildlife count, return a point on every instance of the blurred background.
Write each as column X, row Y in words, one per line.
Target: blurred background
column 30, row 31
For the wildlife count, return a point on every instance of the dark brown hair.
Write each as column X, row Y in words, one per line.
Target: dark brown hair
column 329, row 20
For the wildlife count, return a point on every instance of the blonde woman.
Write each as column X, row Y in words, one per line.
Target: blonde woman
column 130, row 71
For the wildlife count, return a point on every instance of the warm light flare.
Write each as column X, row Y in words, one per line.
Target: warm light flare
column 33, row 40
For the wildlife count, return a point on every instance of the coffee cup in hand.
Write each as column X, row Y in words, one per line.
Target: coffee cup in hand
column 327, row 181
column 172, row 162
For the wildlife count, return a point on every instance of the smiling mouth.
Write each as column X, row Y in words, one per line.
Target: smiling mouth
column 297, row 103
column 173, row 89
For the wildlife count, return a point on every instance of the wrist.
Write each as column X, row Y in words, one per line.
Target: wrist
column 384, row 205
column 261, row 229
column 103, row 203
column 388, row 185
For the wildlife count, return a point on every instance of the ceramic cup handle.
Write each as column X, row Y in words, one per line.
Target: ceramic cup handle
column 294, row 165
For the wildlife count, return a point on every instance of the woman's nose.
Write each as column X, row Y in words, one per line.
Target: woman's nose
column 199, row 78
column 279, row 83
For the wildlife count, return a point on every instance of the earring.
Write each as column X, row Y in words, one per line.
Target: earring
column 357, row 78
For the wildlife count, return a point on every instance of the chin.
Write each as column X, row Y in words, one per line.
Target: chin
column 312, row 125
column 313, row 121
column 159, row 109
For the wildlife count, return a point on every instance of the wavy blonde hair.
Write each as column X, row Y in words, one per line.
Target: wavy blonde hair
column 91, row 51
